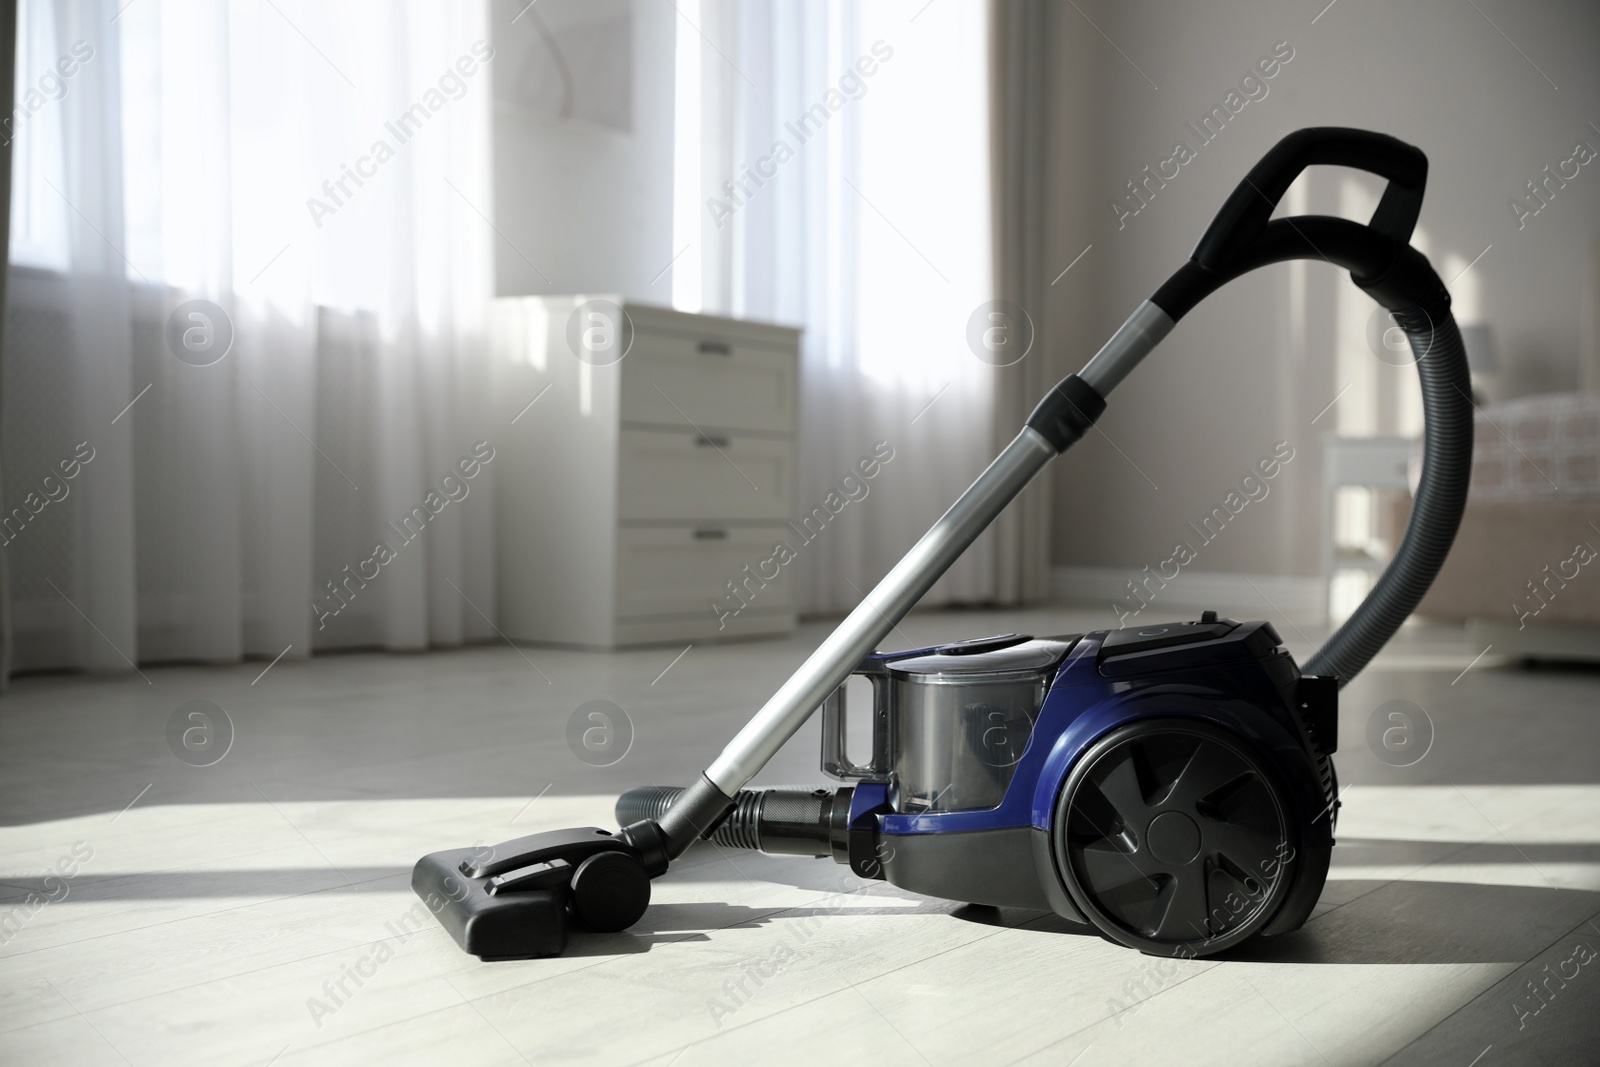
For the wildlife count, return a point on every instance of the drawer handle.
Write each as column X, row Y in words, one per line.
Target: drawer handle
column 711, row 441
column 715, row 348
column 711, row 535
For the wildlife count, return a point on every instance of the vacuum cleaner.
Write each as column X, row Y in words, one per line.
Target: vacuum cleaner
column 1169, row 786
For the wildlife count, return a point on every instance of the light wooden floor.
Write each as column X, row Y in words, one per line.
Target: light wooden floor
column 213, row 913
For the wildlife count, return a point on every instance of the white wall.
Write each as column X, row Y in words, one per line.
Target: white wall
column 1242, row 371
column 587, row 205
column 591, row 207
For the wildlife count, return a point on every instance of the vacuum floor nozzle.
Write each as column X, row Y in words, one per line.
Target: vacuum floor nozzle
column 516, row 900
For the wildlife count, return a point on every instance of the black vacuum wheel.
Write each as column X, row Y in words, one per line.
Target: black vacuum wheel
column 1173, row 838
column 610, row 891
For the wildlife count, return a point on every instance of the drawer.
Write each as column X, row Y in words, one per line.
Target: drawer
column 670, row 475
column 708, row 382
column 684, row 570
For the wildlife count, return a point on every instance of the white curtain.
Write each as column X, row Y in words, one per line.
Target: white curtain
column 319, row 173
column 833, row 173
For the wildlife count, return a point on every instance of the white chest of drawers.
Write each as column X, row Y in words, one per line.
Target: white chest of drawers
column 633, row 492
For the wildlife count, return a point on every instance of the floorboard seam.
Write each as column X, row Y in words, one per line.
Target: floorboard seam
column 1516, row 967
column 833, row 992
column 202, row 915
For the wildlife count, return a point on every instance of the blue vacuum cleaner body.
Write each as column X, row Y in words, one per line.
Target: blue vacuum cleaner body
column 1169, row 786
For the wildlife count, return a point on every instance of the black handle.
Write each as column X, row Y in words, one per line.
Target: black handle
column 1383, row 264
column 715, row 348
column 1244, row 216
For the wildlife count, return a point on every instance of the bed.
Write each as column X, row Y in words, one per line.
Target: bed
column 1525, row 570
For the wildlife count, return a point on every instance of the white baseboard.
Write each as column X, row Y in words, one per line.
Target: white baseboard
column 1292, row 595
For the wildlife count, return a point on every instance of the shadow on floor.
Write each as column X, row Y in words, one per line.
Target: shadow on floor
column 1382, row 922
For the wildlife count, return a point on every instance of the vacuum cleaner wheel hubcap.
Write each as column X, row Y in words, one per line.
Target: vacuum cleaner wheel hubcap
column 1172, row 836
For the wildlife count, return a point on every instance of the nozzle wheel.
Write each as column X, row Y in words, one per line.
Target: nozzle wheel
column 610, row 891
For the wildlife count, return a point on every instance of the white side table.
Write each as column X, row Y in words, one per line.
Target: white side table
column 1366, row 462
